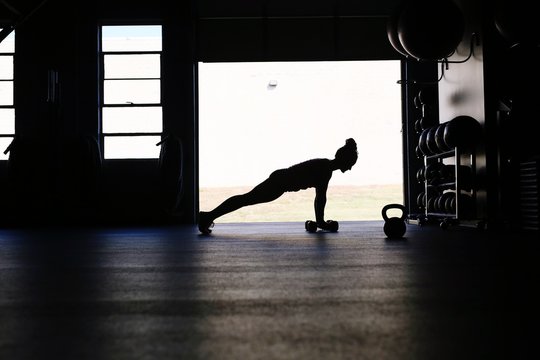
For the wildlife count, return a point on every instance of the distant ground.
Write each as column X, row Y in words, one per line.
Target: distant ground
column 345, row 203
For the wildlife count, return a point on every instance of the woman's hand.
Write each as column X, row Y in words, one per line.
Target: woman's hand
column 323, row 225
column 328, row 225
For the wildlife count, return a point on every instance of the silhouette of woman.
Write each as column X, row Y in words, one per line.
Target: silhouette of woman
column 314, row 173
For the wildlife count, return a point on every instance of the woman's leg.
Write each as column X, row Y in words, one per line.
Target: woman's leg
column 267, row 191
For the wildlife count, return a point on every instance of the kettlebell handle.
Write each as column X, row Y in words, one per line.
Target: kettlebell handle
column 393, row 206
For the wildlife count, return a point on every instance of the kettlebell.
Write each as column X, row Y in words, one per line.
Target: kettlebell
column 394, row 227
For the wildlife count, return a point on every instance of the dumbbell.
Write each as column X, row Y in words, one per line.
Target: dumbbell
column 421, row 200
column 418, row 152
column 418, row 126
column 466, row 204
column 431, row 172
column 429, row 116
column 311, row 226
column 431, row 203
column 439, row 138
column 428, row 121
column 430, row 141
column 420, row 175
column 427, row 96
column 450, row 202
column 417, row 102
column 447, row 172
column 442, row 201
column 422, row 143
column 437, row 204
column 333, row 225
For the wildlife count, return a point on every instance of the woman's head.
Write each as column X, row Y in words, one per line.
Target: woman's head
column 347, row 155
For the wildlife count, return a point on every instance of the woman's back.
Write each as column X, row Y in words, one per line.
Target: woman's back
column 310, row 173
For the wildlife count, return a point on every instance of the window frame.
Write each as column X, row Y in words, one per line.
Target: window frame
column 102, row 79
column 12, row 81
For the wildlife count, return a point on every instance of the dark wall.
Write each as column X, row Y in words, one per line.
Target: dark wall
column 495, row 86
column 57, row 103
column 512, row 41
column 53, row 175
column 266, row 30
column 461, row 90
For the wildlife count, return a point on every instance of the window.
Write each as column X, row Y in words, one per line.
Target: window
column 7, row 108
column 131, row 110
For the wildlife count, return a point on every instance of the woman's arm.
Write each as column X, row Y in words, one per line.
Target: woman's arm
column 320, row 203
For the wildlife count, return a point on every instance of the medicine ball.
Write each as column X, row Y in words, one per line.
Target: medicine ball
column 430, row 30
column 391, row 30
column 462, row 131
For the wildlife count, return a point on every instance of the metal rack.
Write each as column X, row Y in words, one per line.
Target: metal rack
column 450, row 200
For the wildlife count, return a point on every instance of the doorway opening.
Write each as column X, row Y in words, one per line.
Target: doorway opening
column 258, row 117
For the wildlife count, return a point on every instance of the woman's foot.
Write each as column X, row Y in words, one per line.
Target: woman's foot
column 205, row 223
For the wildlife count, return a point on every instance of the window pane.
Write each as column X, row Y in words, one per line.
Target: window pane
column 7, row 122
column 132, row 66
column 132, row 147
column 8, row 44
column 6, row 67
column 131, row 38
column 4, row 143
column 132, row 91
column 132, row 119
column 6, row 92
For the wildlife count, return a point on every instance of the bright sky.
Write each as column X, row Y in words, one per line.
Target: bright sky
column 249, row 128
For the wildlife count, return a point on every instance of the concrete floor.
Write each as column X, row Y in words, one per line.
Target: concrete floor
column 267, row 291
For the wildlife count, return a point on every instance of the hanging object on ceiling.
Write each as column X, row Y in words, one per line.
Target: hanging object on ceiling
column 430, row 30
column 392, row 32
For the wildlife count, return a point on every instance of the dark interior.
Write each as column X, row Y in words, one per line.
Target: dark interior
column 482, row 78
column 467, row 264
